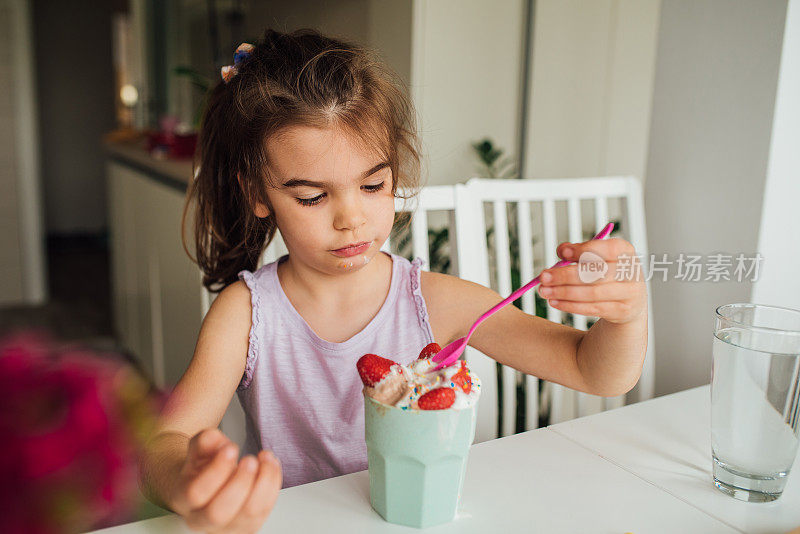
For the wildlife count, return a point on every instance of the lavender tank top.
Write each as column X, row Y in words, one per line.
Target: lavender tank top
column 302, row 394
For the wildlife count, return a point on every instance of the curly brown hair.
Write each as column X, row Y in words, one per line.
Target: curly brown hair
column 302, row 78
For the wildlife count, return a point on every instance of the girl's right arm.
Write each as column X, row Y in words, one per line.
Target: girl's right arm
column 191, row 467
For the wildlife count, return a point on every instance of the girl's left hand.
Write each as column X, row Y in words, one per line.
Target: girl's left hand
column 606, row 281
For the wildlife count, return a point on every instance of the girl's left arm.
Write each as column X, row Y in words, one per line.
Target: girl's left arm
column 606, row 360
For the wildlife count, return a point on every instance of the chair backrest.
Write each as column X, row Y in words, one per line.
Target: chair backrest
column 434, row 206
column 561, row 206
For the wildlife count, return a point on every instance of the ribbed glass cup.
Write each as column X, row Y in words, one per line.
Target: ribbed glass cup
column 755, row 399
column 417, row 461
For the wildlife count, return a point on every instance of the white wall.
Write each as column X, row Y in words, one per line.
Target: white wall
column 462, row 59
column 384, row 26
column 389, row 32
column 591, row 82
column 342, row 18
column 779, row 239
column 591, row 87
column 716, row 76
column 465, row 80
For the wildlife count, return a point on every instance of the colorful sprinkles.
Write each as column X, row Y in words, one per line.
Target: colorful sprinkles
column 424, row 381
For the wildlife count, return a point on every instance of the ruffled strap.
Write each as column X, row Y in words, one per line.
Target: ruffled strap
column 252, row 350
column 419, row 300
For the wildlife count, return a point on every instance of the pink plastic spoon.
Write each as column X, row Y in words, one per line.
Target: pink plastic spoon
column 448, row 355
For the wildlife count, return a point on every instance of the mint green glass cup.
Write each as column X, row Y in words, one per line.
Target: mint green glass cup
column 417, row 461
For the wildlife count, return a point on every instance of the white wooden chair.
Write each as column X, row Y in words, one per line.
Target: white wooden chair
column 431, row 199
column 577, row 195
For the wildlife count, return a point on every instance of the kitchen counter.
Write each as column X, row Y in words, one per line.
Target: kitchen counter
column 174, row 173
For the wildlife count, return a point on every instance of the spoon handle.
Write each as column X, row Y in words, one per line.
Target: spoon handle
column 516, row 294
column 511, row 298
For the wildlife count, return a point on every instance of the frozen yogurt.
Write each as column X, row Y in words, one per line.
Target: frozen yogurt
column 417, row 386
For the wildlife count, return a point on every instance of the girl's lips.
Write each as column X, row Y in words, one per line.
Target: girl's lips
column 352, row 251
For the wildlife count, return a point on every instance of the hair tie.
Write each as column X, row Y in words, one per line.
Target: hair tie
column 242, row 52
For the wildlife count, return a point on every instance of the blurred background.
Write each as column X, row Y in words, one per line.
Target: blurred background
column 100, row 101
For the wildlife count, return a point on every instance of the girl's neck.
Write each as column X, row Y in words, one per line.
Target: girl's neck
column 303, row 283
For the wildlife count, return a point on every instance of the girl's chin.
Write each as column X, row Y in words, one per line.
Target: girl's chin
column 352, row 263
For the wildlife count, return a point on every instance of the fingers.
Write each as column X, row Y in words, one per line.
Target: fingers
column 218, row 513
column 205, row 443
column 608, row 249
column 612, row 311
column 258, row 502
column 224, row 506
column 204, row 483
column 570, row 274
column 586, row 292
column 268, row 483
column 607, row 283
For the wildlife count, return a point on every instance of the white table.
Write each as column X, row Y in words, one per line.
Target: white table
column 643, row 468
column 667, row 442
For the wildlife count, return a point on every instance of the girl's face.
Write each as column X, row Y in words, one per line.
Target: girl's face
column 330, row 195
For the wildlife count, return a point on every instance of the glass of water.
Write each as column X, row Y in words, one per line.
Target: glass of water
column 755, row 399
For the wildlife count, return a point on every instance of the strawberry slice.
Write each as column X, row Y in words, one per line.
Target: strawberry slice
column 372, row 368
column 429, row 350
column 437, row 399
column 461, row 378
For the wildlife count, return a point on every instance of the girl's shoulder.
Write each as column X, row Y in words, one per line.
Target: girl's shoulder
column 236, row 298
column 258, row 275
column 454, row 304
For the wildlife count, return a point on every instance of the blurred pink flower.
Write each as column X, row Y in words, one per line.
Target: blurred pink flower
column 72, row 423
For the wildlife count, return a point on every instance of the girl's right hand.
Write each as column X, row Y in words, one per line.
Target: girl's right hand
column 216, row 493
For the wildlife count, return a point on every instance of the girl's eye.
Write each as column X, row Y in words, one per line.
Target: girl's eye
column 374, row 188
column 311, row 201
column 317, row 199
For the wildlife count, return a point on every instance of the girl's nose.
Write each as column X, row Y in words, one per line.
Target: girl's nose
column 349, row 215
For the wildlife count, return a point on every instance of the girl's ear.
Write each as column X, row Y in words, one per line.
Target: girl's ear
column 261, row 211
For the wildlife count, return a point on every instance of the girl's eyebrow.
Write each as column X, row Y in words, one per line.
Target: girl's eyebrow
column 298, row 182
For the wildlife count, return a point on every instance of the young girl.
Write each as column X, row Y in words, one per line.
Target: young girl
column 314, row 137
